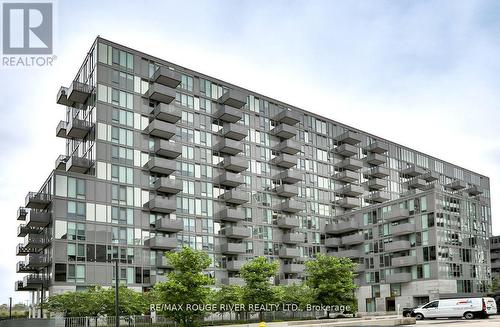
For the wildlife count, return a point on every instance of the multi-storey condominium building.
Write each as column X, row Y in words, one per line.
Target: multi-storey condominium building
column 159, row 156
column 495, row 256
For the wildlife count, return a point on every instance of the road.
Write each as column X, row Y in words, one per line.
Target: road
column 490, row 322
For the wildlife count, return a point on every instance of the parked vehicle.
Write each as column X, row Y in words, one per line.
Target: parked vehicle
column 408, row 312
column 469, row 308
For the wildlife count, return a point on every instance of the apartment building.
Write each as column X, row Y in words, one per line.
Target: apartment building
column 158, row 157
column 495, row 256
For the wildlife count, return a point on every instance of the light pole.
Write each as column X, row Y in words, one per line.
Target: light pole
column 10, row 307
column 117, row 285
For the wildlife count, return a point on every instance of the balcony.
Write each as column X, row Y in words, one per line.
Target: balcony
column 161, row 243
column 293, row 268
column 377, row 147
column 474, row 190
column 417, row 183
column 235, row 164
column 230, row 214
column 346, row 150
column 61, row 129
column 287, row 191
column 35, row 242
column 378, row 197
column 21, row 213
column 229, row 179
column 62, row 97
column 37, row 261
column 395, row 278
column 412, row 171
column 290, row 176
column 34, row 281
column 289, row 117
column 158, row 279
column 61, row 161
column 288, row 253
column 77, row 128
column 284, row 131
column 229, row 146
column 21, row 267
column 161, row 205
column 168, row 77
column 350, row 190
column 342, row 227
column 161, row 129
column 78, row 92
column 233, row 98
column 38, row 218
column 396, row 214
column 347, row 176
column 430, row 176
column 234, row 196
column 349, row 138
column 403, row 229
column 285, row 160
column 228, row 114
column 293, row 238
column 37, row 200
column 290, row 281
column 169, row 225
column 350, row 164
column 234, row 265
column 78, row 164
column 162, row 261
column 167, row 149
column 332, row 242
column 377, row 172
column 376, row 184
column 232, row 248
column 404, row 261
column 376, row 159
column 288, row 146
column 236, row 232
column 292, row 206
column 168, row 185
column 167, row 112
column 161, row 166
column 160, row 93
column 23, row 230
column 353, row 239
column 234, row 131
column 351, row 253
column 348, row 203
column 397, row 246
column 21, row 250
column 287, row 222
column 237, row 281
column 457, row 185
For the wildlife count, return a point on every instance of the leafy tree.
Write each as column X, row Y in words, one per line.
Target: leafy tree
column 298, row 294
column 495, row 285
column 331, row 281
column 258, row 289
column 130, row 302
column 228, row 294
column 185, row 285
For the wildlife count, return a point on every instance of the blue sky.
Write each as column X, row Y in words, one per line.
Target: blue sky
column 422, row 73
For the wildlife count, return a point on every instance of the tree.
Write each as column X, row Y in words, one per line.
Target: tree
column 228, row 294
column 331, row 281
column 186, row 285
column 258, row 289
column 298, row 294
column 495, row 285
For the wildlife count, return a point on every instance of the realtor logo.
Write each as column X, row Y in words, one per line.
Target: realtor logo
column 27, row 28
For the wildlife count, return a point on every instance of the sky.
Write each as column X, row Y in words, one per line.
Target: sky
column 424, row 74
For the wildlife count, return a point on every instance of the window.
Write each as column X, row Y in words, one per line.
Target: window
column 433, row 304
column 60, row 272
column 122, row 136
column 186, row 83
column 76, row 210
column 114, row 96
column 187, row 152
column 122, row 155
column 122, row 215
column 61, row 230
column 122, row 195
column 76, row 188
column 76, row 252
column 76, row 231
column 111, row 56
column 122, row 174
column 76, row 273
column 123, row 117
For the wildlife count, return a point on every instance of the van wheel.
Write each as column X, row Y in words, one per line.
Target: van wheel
column 469, row 315
column 419, row 316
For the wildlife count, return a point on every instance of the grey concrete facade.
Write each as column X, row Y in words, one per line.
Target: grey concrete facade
column 495, row 256
column 159, row 156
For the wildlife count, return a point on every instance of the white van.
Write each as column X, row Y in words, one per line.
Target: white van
column 469, row 308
